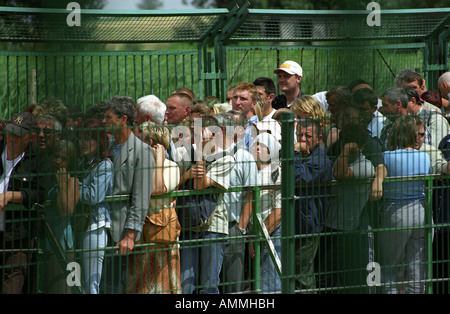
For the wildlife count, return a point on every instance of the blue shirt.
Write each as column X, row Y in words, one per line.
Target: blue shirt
column 115, row 150
column 95, row 186
column 248, row 136
column 405, row 163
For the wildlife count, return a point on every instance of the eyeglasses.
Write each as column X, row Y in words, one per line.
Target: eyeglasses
column 421, row 135
column 47, row 131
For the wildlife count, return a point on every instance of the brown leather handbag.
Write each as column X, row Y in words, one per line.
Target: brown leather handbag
column 162, row 227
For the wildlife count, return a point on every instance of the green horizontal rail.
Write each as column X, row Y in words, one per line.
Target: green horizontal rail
column 102, row 12
column 261, row 236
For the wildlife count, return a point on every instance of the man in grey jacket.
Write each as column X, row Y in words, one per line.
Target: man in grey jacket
column 133, row 172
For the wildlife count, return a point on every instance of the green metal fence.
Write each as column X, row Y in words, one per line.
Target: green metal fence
column 333, row 48
column 326, row 67
column 339, row 44
column 327, row 262
column 84, row 79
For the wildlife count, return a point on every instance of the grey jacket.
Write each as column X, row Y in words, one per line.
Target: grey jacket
column 133, row 176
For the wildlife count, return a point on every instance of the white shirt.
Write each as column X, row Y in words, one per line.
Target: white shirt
column 348, row 200
column 270, row 115
column 8, row 166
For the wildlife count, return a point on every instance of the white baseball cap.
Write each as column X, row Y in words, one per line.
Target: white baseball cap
column 270, row 126
column 290, row 67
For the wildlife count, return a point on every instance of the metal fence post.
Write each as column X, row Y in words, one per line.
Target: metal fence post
column 287, row 204
column 429, row 234
column 257, row 240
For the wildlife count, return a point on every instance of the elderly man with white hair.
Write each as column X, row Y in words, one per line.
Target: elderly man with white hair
column 444, row 85
column 150, row 108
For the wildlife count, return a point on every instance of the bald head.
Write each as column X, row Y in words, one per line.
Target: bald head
column 444, row 78
column 444, row 85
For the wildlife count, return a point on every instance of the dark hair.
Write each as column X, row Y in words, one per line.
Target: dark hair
column 433, row 97
column 342, row 93
column 353, row 133
column 96, row 111
column 409, row 76
column 410, row 93
column 365, row 94
column 95, row 129
column 74, row 112
column 267, row 83
column 357, row 112
column 123, row 106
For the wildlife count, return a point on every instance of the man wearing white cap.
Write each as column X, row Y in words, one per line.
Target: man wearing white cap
column 289, row 78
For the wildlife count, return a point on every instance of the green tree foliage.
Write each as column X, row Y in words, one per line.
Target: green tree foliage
column 57, row 4
column 14, row 24
column 319, row 4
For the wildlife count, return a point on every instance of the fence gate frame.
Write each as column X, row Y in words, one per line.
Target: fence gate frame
column 215, row 30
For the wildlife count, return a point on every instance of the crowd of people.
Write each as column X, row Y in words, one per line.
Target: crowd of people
column 104, row 176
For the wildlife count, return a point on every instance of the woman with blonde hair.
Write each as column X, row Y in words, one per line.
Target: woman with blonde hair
column 202, row 108
column 156, row 269
column 307, row 107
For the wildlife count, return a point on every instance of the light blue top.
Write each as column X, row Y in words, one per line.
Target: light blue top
column 98, row 184
column 248, row 136
column 115, row 149
column 402, row 163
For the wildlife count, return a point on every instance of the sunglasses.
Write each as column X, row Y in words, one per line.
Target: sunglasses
column 47, row 131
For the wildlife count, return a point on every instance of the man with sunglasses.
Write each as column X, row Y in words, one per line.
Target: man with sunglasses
column 49, row 131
